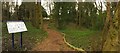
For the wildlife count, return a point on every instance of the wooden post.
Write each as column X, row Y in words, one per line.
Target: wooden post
column 12, row 40
column 21, row 40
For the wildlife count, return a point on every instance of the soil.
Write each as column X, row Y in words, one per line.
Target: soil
column 54, row 42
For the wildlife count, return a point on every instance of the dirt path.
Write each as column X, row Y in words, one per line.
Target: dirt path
column 54, row 42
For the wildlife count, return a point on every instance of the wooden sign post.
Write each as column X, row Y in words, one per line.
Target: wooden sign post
column 20, row 39
column 15, row 27
column 13, row 40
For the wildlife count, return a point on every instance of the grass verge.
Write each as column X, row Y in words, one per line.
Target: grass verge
column 30, row 38
column 87, row 39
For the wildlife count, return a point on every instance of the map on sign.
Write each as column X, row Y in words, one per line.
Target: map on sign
column 16, row 26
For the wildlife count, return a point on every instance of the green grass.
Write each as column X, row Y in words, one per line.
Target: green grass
column 80, row 38
column 30, row 38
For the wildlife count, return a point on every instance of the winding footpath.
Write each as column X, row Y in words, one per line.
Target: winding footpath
column 54, row 42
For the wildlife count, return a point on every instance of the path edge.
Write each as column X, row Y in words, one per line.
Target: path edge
column 70, row 45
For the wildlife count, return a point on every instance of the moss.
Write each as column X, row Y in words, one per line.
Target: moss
column 111, row 43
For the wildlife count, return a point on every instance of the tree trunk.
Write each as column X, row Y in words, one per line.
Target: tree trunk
column 79, row 12
column 38, row 16
column 41, row 18
column 111, row 43
column 77, row 15
column 49, row 3
column 106, row 25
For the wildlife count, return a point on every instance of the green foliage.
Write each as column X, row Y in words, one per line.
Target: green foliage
column 5, row 11
column 21, row 12
column 81, row 38
column 64, row 12
column 88, row 16
column 27, row 8
column 32, row 12
column 44, row 13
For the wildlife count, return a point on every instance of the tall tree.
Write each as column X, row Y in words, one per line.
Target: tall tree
column 64, row 13
column 111, row 42
column 33, row 11
column 5, row 11
column 87, row 14
column 38, row 19
column 21, row 12
column 40, row 13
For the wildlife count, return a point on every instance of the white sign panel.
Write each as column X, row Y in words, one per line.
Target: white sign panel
column 16, row 26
